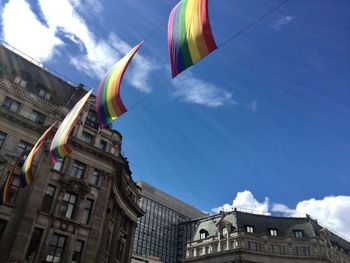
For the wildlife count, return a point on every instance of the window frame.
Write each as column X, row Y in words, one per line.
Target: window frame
column 68, row 207
column 86, row 135
column 3, row 136
column 34, row 244
column 87, row 210
column 50, row 196
column 273, row 232
column 91, row 120
column 96, row 173
column 78, row 253
column 37, row 117
column 56, row 247
column 249, row 228
column 77, row 169
column 298, row 233
column 9, row 102
column 25, row 150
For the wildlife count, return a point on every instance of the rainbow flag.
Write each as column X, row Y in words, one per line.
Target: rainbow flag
column 26, row 173
column 189, row 34
column 5, row 189
column 109, row 105
column 59, row 147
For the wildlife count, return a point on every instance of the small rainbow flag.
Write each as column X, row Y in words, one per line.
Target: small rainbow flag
column 59, row 147
column 189, row 34
column 109, row 105
column 26, row 173
column 5, row 189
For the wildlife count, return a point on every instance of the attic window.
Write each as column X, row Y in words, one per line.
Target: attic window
column 249, row 229
column 20, row 82
column 203, row 234
column 44, row 94
column 273, row 232
column 298, row 233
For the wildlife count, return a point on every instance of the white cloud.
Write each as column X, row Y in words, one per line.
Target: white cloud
column 191, row 89
column 245, row 200
column 23, row 30
column 61, row 16
column 331, row 211
column 278, row 24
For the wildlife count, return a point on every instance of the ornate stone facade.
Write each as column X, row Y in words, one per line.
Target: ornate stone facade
column 83, row 209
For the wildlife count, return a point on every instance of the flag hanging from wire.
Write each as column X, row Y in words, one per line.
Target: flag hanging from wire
column 189, row 34
column 6, row 188
column 109, row 105
column 27, row 173
column 59, row 146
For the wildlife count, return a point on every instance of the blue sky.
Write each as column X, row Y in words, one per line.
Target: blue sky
column 268, row 112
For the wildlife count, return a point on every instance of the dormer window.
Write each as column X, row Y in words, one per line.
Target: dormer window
column 20, row 82
column 44, row 94
column 249, row 229
column 298, row 233
column 273, row 232
column 203, row 234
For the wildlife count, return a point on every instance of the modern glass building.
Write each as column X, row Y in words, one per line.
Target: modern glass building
column 158, row 230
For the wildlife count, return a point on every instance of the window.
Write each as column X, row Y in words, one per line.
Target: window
column 23, row 147
column 78, row 249
column 91, row 120
column 48, row 198
column 14, row 189
column 34, row 244
column 2, row 227
column 58, row 165
column 56, row 247
column 21, row 82
column 37, row 117
column 276, row 249
column 44, row 94
column 2, row 138
column 87, row 211
column 203, row 234
column 68, row 205
column 273, row 232
column 87, row 137
column 103, row 145
column 11, row 104
column 77, row 170
column 249, row 229
column 95, row 177
column 298, row 233
column 252, row 245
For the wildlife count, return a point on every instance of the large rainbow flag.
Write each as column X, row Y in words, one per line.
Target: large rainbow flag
column 26, row 173
column 109, row 105
column 59, row 146
column 5, row 189
column 189, row 34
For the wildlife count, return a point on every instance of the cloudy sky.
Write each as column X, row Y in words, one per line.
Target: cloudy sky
column 262, row 123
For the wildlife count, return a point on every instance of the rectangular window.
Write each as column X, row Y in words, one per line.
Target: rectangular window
column 252, row 245
column 301, row 250
column 87, row 137
column 103, row 145
column 34, row 245
column 58, row 166
column 91, row 120
column 37, row 117
column 298, row 233
column 11, row 104
column 95, row 177
column 273, row 232
column 23, row 147
column 14, row 189
column 68, row 205
column 56, row 248
column 21, row 82
column 77, row 170
column 78, row 251
column 249, row 229
column 87, row 211
column 48, row 198
column 44, row 94
column 2, row 227
column 2, row 138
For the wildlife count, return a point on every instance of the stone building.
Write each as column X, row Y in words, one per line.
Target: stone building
column 157, row 231
column 83, row 209
column 243, row 237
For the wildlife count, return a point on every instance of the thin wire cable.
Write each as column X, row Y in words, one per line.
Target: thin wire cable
column 253, row 23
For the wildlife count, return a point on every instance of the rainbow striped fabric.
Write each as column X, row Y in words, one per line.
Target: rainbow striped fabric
column 109, row 105
column 5, row 190
column 26, row 173
column 189, row 34
column 59, row 146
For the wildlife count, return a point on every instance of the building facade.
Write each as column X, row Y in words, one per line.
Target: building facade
column 157, row 231
column 243, row 237
column 84, row 208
